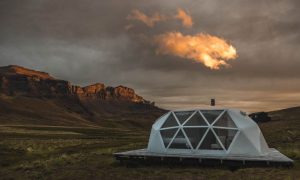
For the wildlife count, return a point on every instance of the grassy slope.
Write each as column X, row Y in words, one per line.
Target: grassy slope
column 35, row 111
column 44, row 152
column 283, row 132
column 20, row 110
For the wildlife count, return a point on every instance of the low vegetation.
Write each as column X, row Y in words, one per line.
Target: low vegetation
column 48, row 152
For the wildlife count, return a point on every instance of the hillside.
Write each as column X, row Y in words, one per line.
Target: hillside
column 283, row 131
column 36, row 152
column 29, row 97
column 48, row 124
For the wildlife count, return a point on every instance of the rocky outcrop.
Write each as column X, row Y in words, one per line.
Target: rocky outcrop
column 101, row 92
column 13, row 70
column 16, row 80
column 92, row 91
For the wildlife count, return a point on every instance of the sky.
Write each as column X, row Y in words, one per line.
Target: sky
column 163, row 48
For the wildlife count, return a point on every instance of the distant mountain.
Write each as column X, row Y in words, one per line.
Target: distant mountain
column 33, row 97
column 16, row 80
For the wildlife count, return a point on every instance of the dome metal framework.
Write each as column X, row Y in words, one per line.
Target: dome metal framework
column 199, row 130
column 207, row 131
column 207, row 136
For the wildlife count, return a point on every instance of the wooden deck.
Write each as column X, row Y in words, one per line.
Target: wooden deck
column 274, row 158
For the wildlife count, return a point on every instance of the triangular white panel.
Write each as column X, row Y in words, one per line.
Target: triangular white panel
column 253, row 134
column 155, row 142
column 263, row 144
column 242, row 145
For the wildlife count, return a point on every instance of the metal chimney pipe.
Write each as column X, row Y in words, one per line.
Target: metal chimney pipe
column 212, row 102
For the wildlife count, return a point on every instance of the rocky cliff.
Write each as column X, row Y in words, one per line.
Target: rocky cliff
column 29, row 97
column 16, row 80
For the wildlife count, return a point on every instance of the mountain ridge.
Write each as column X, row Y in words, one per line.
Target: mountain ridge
column 15, row 69
column 36, row 98
column 19, row 80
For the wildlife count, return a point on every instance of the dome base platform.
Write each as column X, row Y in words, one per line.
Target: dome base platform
column 272, row 159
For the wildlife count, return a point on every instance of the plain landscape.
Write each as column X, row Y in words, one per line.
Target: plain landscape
column 49, row 152
column 47, row 132
column 83, row 81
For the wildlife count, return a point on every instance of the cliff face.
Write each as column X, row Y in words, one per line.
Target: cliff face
column 33, row 97
column 16, row 80
column 101, row 92
column 14, row 70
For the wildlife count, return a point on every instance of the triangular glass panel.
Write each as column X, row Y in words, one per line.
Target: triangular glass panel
column 225, row 136
column 182, row 116
column 195, row 135
column 180, row 142
column 225, row 121
column 196, row 120
column 167, row 135
column 210, row 142
column 170, row 122
column 211, row 115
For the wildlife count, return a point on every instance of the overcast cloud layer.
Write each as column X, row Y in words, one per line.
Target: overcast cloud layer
column 87, row 41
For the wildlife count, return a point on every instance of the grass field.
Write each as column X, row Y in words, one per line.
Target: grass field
column 49, row 152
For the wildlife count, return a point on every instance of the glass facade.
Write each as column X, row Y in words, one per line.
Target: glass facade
column 199, row 130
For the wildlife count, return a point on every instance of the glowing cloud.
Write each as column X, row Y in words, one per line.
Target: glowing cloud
column 212, row 51
column 185, row 18
column 148, row 20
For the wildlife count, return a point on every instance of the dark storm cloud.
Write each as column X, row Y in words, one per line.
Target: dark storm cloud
column 85, row 41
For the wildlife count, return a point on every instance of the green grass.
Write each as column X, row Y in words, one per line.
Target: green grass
column 47, row 152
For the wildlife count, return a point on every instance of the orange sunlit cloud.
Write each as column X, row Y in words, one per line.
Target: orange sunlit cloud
column 148, row 20
column 185, row 18
column 212, row 51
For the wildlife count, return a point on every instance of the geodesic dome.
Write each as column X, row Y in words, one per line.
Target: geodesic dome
column 207, row 131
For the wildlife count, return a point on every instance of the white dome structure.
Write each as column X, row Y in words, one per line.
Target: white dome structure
column 207, row 136
column 207, row 131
